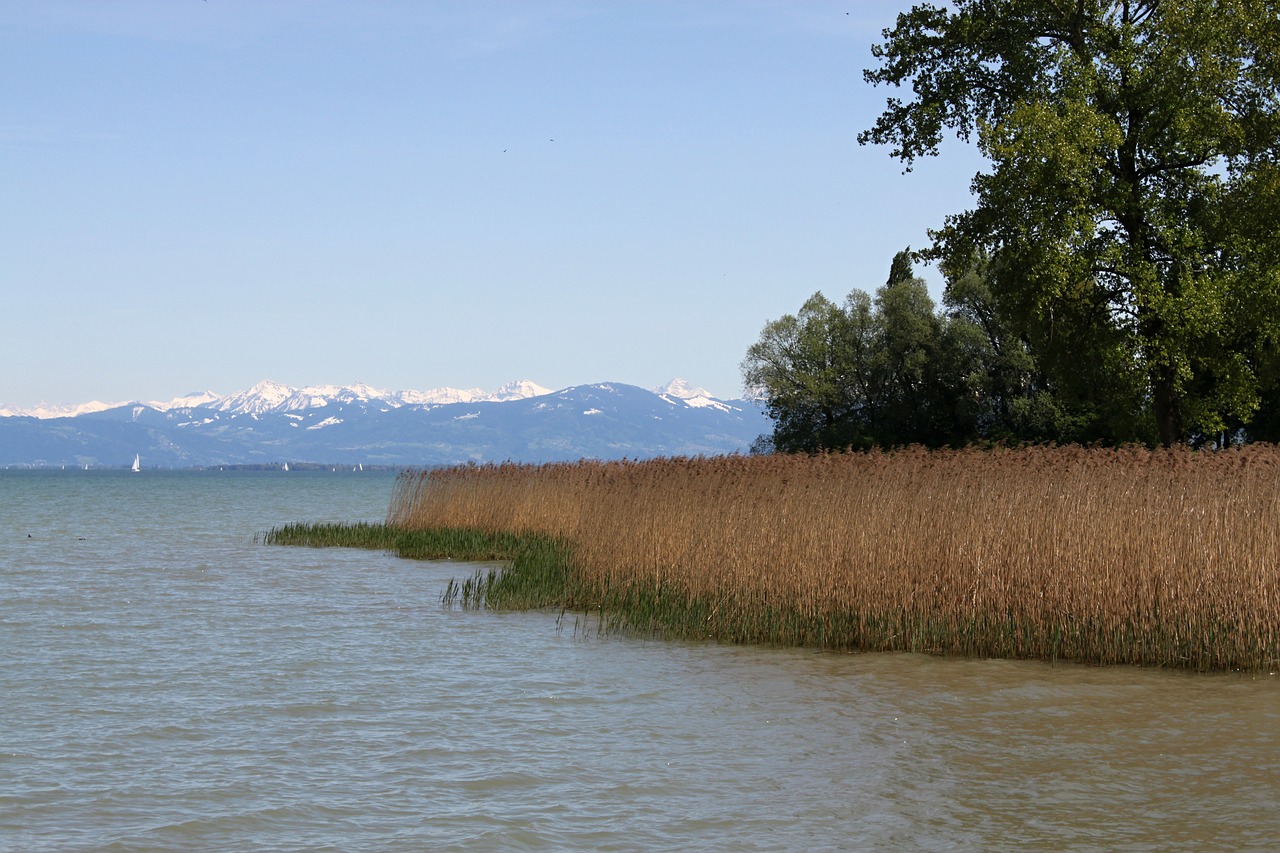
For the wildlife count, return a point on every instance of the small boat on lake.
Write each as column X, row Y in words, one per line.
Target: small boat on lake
column 137, row 463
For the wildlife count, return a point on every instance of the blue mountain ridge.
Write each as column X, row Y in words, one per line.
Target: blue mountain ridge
column 600, row 421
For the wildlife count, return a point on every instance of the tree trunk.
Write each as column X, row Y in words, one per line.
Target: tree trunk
column 1168, row 416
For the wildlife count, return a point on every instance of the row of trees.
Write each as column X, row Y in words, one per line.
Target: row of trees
column 895, row 368
column 1118, row 278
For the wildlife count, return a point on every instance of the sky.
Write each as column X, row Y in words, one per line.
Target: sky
column 203, row 194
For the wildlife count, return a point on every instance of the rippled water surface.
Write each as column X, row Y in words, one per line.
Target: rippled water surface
column 167, row 684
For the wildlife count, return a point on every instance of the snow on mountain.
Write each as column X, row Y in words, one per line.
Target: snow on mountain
column 45, row 411
column 273, row 397
column 521, row 389
column 268, row 396
column 271, row 422
column 681, row 390
column 440, row 396
column 689, row 395
column 357, row 393
column 186, row 401
column 264, row 397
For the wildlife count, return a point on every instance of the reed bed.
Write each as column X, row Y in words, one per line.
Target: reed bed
column 1164, row 558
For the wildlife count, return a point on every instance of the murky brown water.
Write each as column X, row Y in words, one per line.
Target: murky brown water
column 169, row 685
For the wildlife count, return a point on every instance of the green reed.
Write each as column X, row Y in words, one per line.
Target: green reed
column 435, row 544
column 536, row 575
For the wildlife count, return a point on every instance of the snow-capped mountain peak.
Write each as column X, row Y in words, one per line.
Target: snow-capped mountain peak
column 46, row 411
column 439, row 396
column 682, row 390
column 521, row 389
column 323, row 424
column 695, row 397
column 186, row 401
column 267, row 397
column 264, row 397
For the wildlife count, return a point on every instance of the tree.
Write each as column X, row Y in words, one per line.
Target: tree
column 1134, row 152
column 810, row 369
column 911, row 389
column 866, row 373
column 1081, row 388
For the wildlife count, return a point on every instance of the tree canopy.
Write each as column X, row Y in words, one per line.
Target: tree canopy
column 1127, row 222
column 873, row 371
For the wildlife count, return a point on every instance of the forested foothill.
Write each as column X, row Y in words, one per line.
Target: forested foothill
column 1117, row 279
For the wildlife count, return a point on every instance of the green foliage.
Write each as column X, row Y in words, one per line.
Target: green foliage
column 1129, row 210
column 882, row 371
column 812, row 371
column 894, row 370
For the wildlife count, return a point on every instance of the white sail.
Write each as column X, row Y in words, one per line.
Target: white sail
column 137, row 462
column 286, row 466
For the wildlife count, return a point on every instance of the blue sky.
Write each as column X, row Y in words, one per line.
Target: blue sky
column 200, row 194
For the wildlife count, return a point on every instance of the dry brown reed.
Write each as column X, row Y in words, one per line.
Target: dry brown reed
column 1110, row 556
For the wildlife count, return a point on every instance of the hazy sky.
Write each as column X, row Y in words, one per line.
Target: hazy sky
column 201, row 194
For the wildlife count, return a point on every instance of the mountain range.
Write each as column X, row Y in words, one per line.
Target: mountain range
column 272, row 424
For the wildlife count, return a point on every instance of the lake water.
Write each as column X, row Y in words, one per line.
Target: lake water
column 168, row 684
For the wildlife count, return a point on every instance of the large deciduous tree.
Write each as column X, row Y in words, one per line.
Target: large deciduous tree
column 1133, row 188
column 811, row 370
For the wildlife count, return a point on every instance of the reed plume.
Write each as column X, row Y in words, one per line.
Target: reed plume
column 1134, row 556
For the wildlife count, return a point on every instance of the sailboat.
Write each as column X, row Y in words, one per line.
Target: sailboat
column 137, row 463
column 286, row 466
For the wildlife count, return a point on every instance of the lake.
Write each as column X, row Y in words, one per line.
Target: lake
column 169, row 684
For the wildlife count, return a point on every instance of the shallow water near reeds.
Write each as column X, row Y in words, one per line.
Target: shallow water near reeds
column 168, row 684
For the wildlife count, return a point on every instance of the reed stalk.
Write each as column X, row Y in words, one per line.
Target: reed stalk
column 1164, row 558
